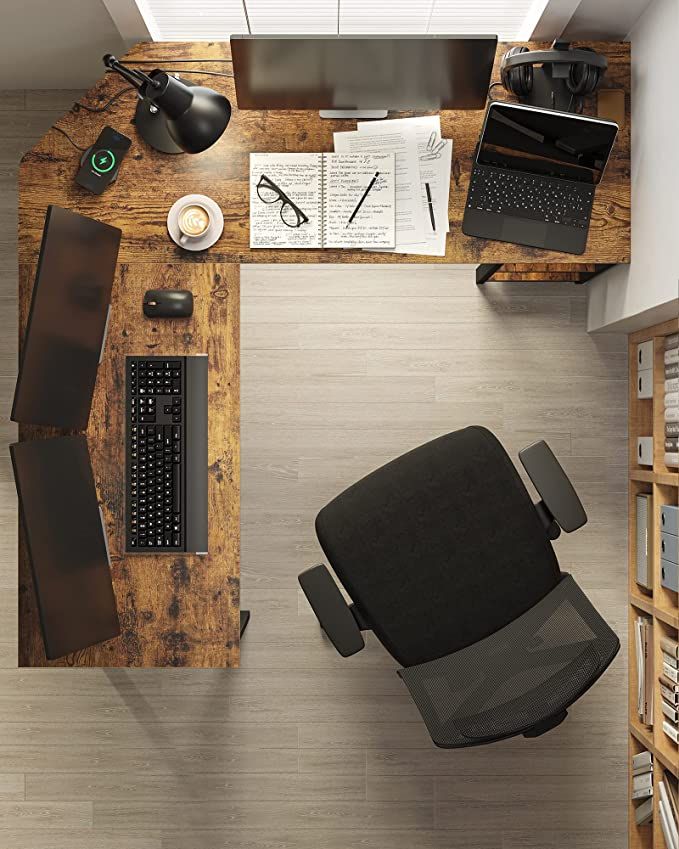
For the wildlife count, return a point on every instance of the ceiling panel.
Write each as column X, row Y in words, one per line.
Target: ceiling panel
column 193, row 20
column 385, row 16
column 503, row 18
column 292, row 16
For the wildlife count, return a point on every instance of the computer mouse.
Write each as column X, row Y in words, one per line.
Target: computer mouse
column 168, row 303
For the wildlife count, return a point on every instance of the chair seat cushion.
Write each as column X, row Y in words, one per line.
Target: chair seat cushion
column 440, row 547
column 520, row 676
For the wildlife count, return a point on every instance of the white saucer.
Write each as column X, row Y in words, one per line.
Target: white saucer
column 209, row 237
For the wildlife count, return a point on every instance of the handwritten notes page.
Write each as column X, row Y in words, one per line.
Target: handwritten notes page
column 409, row 212
column 298, row 176
column 347, row 176
column 305, row 200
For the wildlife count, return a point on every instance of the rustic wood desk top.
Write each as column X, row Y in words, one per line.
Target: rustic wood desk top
column 184, row 611
column 150, row 182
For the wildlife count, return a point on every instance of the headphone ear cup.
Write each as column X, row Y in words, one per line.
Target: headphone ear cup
column 583, row 78
column 519, row 80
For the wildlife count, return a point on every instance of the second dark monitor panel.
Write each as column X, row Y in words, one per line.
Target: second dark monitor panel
column 67, row 320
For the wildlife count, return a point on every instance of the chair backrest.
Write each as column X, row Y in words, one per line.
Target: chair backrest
column 440, row 547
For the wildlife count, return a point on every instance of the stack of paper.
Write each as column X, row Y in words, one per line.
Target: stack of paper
column 423, row 163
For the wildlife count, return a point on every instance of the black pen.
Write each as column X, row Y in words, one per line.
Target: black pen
column 365, row 195
column 431, row 207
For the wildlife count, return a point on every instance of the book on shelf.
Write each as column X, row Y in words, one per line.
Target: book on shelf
column 671, row 341
column 671, row 428
column 667, row 692
column 671, row 370
column 671, row 730
column 643, row 634
column 671, row 399
column 671, row 356
column 644, row 793
column 643, row 813
column 673, row 793
column 672, row 458
column 670, row 828
column 672, row 444
column 642, row 770
column 672, row 414
column 643, row 781
column 670, row 648
column 670, row 672
column 643, row 759
column 672, row 384
column 669, row 656
column 671, row 711
column 642, row 786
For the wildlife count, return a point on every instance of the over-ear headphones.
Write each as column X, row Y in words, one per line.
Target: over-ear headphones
column 565, row 77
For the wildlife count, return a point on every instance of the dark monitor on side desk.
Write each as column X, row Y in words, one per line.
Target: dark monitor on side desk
column 369, row 74
column 67, row 320
column 66, row 543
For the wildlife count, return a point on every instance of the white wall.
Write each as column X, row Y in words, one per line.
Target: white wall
column 55, row 43
column 630, row 297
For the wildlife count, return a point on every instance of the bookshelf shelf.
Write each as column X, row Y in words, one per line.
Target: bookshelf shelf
column 659, row 604
column 648, row 476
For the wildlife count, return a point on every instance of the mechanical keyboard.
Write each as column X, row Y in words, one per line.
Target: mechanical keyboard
column 527, row 196
column 166, row 454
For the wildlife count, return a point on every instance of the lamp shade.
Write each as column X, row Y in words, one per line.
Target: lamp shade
column 195, row 117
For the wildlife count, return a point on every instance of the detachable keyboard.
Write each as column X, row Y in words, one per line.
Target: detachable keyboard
column 547, row 199
column 166, row 454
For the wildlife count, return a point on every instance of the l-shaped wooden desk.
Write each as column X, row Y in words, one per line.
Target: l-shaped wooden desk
column 184, row 611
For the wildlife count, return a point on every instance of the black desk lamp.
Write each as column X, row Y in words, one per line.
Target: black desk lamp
column 174, row 116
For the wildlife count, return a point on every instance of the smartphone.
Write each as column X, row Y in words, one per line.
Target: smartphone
column 100, row 164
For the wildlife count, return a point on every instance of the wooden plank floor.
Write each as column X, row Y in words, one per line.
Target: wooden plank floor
column 342, row 368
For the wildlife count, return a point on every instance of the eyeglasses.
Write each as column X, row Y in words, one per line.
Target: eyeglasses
column 269, row 192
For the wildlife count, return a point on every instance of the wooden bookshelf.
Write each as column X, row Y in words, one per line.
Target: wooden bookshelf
column 646, row 418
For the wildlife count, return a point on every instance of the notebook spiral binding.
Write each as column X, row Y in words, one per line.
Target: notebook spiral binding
column 322, row 235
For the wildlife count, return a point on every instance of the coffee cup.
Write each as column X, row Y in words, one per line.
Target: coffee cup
column 193, row 222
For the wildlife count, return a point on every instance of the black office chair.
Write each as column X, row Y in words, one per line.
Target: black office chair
column 448, row 561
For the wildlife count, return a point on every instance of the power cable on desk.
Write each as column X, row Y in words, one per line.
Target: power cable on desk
column 66, row 135
column 78, row 105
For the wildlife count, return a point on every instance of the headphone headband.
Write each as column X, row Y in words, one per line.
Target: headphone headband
column 555, row 57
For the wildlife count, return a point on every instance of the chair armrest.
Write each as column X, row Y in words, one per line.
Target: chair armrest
column 331, row 610
column 553, row 485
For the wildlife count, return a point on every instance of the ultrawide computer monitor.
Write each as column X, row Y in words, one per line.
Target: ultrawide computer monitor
column 362, row 72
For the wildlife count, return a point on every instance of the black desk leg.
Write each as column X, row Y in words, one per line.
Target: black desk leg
column 244, row 619
column 485, row 272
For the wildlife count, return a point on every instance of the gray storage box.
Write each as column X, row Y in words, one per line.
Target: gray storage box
column 669, row 519
column 669, row 547
column 668, row 575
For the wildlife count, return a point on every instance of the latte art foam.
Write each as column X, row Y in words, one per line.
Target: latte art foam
column 194, row 220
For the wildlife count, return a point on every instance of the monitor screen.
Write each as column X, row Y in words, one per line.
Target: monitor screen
column 546, row 143
column 426, row 73
column 66, row 543
column 67, row 320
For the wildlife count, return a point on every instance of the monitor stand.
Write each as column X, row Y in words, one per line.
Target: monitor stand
column 360, row 114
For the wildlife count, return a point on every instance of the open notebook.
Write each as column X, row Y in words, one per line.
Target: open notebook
column 305, row 200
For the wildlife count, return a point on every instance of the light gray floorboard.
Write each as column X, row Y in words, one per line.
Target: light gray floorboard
column 342, row 369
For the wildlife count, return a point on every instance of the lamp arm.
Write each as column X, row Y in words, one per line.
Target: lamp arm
column 135, row 77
